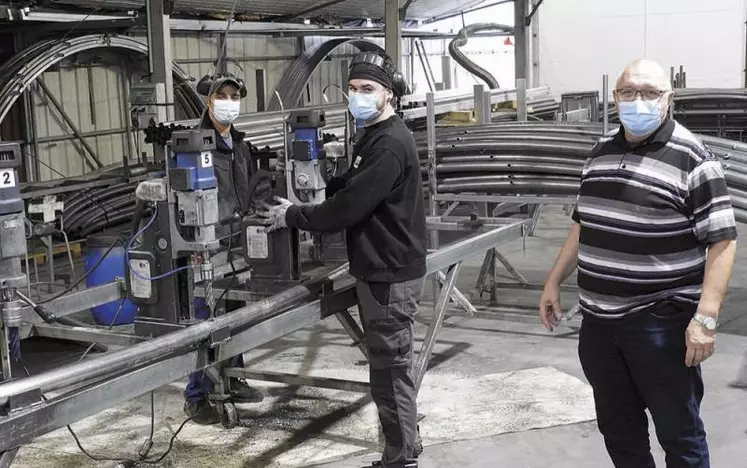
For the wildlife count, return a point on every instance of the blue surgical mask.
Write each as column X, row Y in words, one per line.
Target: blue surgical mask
column 364, row 106
column 640, row 118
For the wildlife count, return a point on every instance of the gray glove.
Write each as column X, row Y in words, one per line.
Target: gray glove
column 275, row 214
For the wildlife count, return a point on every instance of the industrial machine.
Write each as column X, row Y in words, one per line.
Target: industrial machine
column 175, row 245
column 12, row 250
column 307, row 160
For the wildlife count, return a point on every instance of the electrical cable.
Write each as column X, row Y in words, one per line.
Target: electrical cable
column 129, row 246
column 113, row 459
column 149, row 440
column 117, row 240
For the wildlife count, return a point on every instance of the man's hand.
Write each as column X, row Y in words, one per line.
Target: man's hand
column 700, row 344
column 275, row 214
column 549, row 308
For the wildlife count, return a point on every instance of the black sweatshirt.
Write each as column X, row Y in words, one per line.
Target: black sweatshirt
column 380, row 205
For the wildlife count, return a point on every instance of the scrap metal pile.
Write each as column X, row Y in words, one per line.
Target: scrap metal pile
column 542, row 159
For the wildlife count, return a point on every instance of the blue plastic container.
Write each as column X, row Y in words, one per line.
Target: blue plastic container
column 111, row 267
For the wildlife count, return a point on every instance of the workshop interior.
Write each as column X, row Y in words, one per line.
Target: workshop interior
column 114, row 280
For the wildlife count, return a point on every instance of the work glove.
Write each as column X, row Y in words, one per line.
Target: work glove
column 274, row 215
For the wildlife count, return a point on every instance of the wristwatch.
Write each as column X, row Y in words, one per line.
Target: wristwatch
column 708, row 322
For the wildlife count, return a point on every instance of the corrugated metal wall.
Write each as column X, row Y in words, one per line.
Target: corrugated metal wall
column 197, row 53
column 92, row 96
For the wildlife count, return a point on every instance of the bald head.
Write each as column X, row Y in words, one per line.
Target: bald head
column 643, row 96
column 642, row 74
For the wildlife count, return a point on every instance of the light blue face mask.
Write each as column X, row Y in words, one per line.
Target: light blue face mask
column 640, row 118
column 364, row 106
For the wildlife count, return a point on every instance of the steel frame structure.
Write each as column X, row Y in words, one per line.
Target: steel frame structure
column 114, row 377
column 487, row 279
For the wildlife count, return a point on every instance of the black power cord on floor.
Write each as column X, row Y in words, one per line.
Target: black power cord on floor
column 146, row 446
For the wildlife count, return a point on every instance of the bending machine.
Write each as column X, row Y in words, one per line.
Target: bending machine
column 175, row 254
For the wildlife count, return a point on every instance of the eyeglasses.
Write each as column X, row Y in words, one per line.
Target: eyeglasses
column 629, row 94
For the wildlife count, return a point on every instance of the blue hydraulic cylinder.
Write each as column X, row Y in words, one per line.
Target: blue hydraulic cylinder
column 193, row 155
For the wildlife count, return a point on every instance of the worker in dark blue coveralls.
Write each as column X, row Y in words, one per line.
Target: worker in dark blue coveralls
column 380, row 204
column 233, row 169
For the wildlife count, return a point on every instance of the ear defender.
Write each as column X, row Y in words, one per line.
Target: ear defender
column 399, row 83
column 206, row 83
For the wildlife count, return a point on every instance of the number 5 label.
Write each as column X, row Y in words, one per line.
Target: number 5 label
column 7, row 178
column 206, row 159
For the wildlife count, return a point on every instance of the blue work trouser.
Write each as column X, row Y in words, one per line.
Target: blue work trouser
column 199, row 385
column 638, row 363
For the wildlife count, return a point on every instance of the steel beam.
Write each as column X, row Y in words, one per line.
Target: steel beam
column 393, row 31
column 6, row 458
column 92, row 161
column 520, row 38
column 300, row 380
column 439, row 313
column 77, row 301
column 133, row 371
column 465, row 197
column 159, row 52
column 260, row 78
column 86, row 335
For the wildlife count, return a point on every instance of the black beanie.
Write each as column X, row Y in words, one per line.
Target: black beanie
column 369, row 71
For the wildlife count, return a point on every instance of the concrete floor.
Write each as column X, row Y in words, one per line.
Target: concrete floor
column 500, row 393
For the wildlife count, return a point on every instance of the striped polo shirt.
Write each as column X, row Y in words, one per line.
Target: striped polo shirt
column 648, row 213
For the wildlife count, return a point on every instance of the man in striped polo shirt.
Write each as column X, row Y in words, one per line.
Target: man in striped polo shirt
column 654, row 242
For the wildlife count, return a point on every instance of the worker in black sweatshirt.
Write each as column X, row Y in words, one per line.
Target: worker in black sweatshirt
column 380, row 204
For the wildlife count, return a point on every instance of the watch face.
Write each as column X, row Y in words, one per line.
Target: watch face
column 708, row 322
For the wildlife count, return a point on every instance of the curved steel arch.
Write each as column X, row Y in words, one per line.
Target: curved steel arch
column 25, row 67
column 299, row 73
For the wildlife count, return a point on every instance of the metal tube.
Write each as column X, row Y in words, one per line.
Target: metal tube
column 432, row 162
column 605, row 104
column 162, row 347
column 521, row 100
column 178, row 342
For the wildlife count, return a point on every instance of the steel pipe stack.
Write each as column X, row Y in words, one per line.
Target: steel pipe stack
column 543, row 158
column 719, row 112
column 21, row 70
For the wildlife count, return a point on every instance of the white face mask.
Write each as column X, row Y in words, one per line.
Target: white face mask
column 225, row 111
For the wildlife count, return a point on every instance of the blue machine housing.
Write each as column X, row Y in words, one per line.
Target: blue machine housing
column 193, row 157
column 201, row 175
column 308, row 144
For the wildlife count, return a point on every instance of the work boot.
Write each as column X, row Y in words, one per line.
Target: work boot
column 418, row 449
column 243, row 393
column 202, row 413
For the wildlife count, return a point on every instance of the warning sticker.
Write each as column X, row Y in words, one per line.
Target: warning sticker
column 140, row 285
column 256, row 240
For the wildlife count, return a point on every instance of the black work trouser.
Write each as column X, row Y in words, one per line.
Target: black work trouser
column 387, row 312
column 638, row 363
